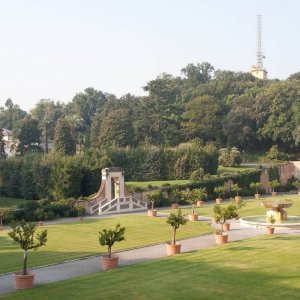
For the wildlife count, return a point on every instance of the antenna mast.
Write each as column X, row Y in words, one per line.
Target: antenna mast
column 259, row 54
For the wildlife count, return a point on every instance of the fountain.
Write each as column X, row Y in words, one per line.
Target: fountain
column 276, row 209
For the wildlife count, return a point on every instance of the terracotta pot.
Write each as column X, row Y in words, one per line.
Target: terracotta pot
column 152, row 213
column 175, row 205
column 1, row 228
column 274, row 193
column 173, row 249
column 109, row 262
column 23, row 281
column 219, row 200
column 270, row 230
column 226, row 227
column 257, row 196
column 40, row 223
column 237, row 198
column 193, row 217
column 299, row 193
column 221, row 238
column 200, row 203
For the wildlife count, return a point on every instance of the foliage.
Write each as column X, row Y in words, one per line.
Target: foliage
column 225, row 213
column 3, row 213
column 64, row 138
column 274, row 184
column 274, row 155
column 192, row 196
column 271, row 219
column 24, row 234
column 230, row 157
column 235, row 188
column 154, row 198
column 28, row 135
column 296, row 184
column 256, row 186
column 219, row 190
column 111, row 236
column 175, row 220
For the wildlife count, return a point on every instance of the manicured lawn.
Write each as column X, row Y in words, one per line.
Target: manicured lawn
column 10, row 202
column 253, row 207
column 144, row 184
column 233, row 169
column 263, row 268
column 80, row 239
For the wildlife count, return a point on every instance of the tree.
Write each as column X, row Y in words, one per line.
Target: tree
column 64, row 139
column 198, row 73
column 116, row 130
column 203, row 119
column 111, row 236
column 47, row 113
column 88, row 103
column 28, row 136
column 10, row 114
column 175, row 220
column 24, row 234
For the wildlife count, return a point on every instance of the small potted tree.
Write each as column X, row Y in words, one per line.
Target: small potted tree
column 154, row 198
column 272, row 220
column 175, row 220
column 24, row 234
column 296, row 184
column 256, row 186
column 274, row 184
column 235, row 188
column 108, row 238
column 222, row 214
column 3, row 213
column 219, row 190
column 175, row 198
column 201, row 194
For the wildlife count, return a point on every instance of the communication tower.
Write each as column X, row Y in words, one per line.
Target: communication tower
column 258, row 70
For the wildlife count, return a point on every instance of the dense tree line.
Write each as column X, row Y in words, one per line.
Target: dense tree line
column 221, row 107
column 54, row 176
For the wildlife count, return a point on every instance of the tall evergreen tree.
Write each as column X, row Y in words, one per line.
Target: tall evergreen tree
column 64, row 139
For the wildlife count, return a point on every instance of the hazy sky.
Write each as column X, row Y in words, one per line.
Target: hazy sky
column 57, row 48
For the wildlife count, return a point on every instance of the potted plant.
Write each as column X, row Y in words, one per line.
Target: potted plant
column 175, row 197
column 272, row 220
column 201, row 194
column 175, row 220
column 296, row 184
column 221, row 215
column 235, row 188
column 219, row 190
column 274, row 184
column 3, row 212
column 256, row 186
column 108, row 238
column 24, row 234
column 154, row 197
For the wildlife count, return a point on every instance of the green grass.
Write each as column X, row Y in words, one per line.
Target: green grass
column 222, row 170
column 80, row 239
column 11, row 202
column 144, row 184
column 253, row 207
column 262, row 268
